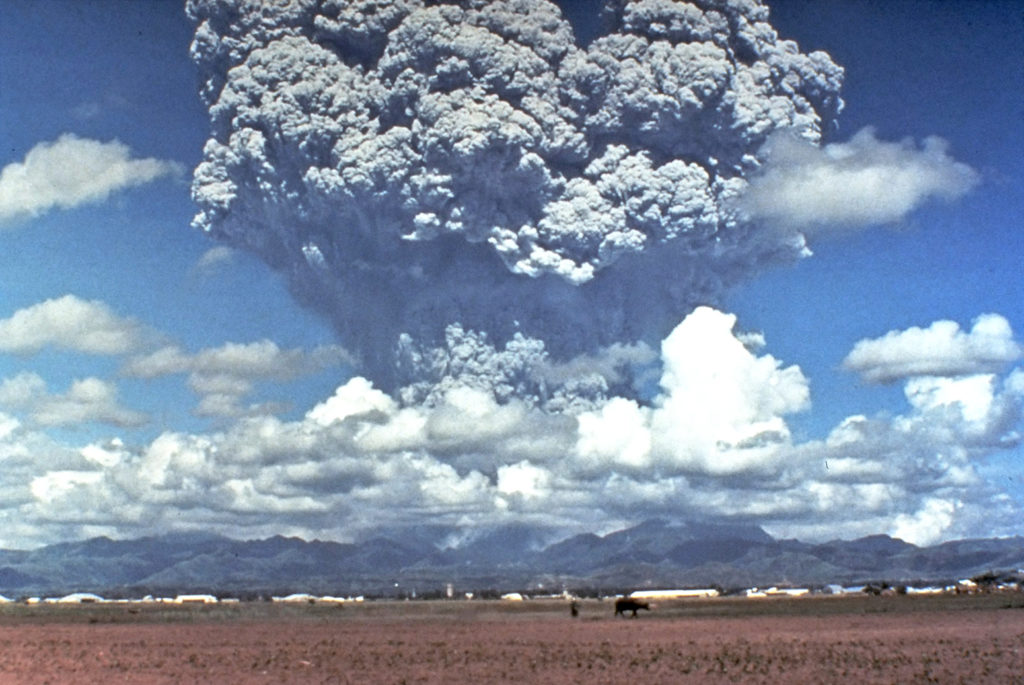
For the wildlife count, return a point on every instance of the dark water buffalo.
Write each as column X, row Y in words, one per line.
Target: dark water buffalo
column 624, row 604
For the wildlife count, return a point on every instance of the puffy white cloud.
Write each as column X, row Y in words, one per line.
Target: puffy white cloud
column 71, row 171
column 915, row 475
column 106, row 455
column 927, row 525
column 863, row 182
column 27, row 454
column 357, row 397
column 942, row 349
column 720, row 411
column 8, row 424
column 979, row 407
column 21, row 390
column 224, row 375
column 722, row 406
column 70, row 323
column 245, row 361
column 618, row 434
column 523, row 479
column 88, row 399
column 57, row 485
column 971, row 396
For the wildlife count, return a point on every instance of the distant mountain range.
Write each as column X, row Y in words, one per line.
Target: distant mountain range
column 654, row 554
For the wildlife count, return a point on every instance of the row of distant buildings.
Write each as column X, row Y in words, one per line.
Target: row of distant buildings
column 91, row 598
column 964, row 586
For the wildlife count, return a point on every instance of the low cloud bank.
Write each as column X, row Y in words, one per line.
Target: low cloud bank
column 713, row 441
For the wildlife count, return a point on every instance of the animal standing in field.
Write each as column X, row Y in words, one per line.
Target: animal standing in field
column 624, row 604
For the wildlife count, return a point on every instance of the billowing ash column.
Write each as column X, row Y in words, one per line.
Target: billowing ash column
column 412, row 165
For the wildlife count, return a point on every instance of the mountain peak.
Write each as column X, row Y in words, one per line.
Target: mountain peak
column 518, row 556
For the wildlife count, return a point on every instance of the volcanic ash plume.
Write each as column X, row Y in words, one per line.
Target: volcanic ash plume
column 418, row 164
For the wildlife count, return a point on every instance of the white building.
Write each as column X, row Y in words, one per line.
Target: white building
column 925, row 590
column 674, row 594
column 777, row 592
column 78, row 598
column 330, row 599
column 195, row 599
column 295, row 598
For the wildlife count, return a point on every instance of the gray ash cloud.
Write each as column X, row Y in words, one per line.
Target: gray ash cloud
column 412, row 165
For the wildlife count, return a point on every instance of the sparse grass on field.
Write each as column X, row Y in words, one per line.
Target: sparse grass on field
column 978, row 640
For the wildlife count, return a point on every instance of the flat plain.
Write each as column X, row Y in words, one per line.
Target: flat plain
column 904, row 639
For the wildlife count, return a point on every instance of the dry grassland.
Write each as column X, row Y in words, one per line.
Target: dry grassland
column 978, row 639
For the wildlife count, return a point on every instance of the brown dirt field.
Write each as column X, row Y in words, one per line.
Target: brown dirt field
column 877, row 640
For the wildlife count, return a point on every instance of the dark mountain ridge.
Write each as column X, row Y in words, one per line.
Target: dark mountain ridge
column 654, row 553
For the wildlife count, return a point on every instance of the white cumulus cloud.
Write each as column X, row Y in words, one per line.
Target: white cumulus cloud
column 722, row 405
column 70, row 323
column 223, row 376
column 863, row 182
column 942, row 349
column 925, row 526
column 86, row 400
column 71, row 171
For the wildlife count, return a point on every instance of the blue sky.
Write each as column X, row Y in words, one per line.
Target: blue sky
column 120, row 71
column 243, row 361
column 913, row 69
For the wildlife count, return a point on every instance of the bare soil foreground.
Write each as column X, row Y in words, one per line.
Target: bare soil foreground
column 977, row 639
